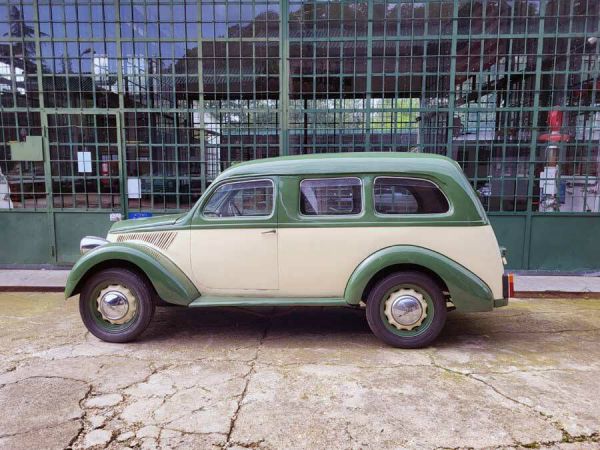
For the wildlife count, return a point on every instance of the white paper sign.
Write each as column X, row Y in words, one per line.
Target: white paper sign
column 84, row 162
column 134, row 188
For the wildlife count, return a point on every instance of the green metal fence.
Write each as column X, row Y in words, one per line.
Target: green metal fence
column 135, row 106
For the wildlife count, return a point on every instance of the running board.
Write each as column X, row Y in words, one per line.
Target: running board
column 267, row 301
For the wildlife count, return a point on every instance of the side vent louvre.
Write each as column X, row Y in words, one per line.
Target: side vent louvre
column 161, row 240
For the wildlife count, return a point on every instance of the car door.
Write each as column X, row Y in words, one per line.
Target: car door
column 320, row 236
column 234, row 239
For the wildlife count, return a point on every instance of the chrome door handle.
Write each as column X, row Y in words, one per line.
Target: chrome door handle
column 269, row 232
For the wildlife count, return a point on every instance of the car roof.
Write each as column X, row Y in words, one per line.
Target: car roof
column 346, row 163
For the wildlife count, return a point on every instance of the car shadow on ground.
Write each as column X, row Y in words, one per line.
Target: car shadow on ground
column 293, row 322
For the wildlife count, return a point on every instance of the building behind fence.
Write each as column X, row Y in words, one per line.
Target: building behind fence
column 118, row 107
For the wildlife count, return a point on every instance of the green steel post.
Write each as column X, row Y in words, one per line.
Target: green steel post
column 369, row 93
column 201, row 107
column 534, row 133
column 44, row 125
column 452, row 80
column 284, row 77
column 120, row 117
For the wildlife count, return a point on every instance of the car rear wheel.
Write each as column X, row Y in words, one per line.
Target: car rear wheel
column 407, row 310
column 116, row 305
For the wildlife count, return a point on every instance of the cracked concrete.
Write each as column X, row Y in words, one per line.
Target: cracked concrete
column 526, row 376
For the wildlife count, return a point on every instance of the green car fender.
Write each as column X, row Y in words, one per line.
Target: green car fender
column 469, row 293
column 171, row 284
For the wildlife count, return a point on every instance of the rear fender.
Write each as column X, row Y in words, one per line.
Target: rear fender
column 468, row 292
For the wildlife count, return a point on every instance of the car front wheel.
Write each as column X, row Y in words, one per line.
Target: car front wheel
column 116, row 305
column 406, row 310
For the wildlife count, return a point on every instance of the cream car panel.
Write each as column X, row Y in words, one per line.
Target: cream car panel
column 234, row 261
column 317, row 262
column 178, row 248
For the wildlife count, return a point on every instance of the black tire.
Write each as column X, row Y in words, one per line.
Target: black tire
column 104, row 330
column 423, row 334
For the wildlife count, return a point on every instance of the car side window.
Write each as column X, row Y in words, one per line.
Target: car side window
column 331, row 196
column 241, row 199
column 396, row 195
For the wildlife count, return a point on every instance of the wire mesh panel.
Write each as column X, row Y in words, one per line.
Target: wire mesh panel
column 508, row 89
column 369, row 76
column 22, row 183
column 520, row 96
column 84, row 158
column 200, row 87
column 240, row 44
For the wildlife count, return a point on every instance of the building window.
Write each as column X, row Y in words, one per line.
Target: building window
column 331, row 196
column 395, row 195
column 241, row 199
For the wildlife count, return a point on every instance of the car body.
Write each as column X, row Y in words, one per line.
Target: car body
column 401, row 234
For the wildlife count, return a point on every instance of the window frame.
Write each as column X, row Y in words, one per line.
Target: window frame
column 416, row 215
column 234, row 218
column 332, row 216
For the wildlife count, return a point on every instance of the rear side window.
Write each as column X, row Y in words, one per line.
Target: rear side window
column 331, row 196
column 395, row 195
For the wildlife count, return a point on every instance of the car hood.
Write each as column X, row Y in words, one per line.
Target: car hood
column 146, row 224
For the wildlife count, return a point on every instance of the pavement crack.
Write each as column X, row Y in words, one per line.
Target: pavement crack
column 473, row 376
column 247, row 378
column 33, row 377
column 530, row 370
column 566, row 439
column 10, row 369
column 348, row 432
column 253, row 444
column 508, row 397
column 81, row 420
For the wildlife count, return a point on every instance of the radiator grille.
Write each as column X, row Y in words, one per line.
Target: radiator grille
column 161, row 240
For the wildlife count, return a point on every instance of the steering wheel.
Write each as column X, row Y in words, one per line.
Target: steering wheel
column 233, row 209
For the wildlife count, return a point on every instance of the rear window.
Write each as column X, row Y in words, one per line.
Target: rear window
column 331, row 196
column 395, row 195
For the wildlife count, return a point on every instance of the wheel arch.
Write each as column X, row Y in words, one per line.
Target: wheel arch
column 166, row 279
column 404, row 267
column 468, row 292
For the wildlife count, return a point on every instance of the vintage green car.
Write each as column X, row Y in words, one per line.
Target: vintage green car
column 402, row 235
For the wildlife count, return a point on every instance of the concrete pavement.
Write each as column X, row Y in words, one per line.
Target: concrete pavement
column 527, row 375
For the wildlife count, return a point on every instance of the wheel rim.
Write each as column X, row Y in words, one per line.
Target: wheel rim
column 114, row 307
column 117, row 304
column 407, row 310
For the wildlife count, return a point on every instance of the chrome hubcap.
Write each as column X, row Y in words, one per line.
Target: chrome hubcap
column 405, row 309
column 117, row 304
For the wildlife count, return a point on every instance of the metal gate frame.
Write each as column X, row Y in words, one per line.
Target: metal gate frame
column 76, row 212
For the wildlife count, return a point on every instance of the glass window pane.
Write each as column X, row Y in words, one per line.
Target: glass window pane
column 246, row 199
column 408, row 196
column 330, row 196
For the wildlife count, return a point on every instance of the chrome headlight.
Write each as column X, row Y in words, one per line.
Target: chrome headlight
column 91, row 242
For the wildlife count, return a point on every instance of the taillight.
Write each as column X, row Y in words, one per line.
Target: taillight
column 508, row 285
column 511, row 285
